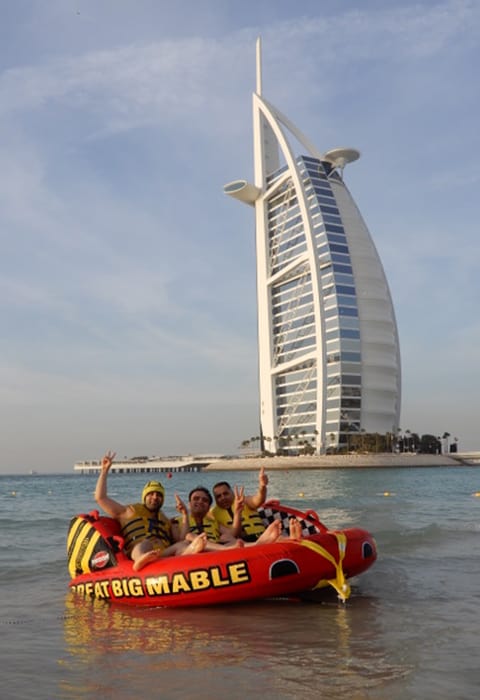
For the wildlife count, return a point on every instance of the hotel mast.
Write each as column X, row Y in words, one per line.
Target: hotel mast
column 329, row 358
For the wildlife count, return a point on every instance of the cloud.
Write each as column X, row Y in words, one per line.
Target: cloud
column 147, row 83
column 127, row 277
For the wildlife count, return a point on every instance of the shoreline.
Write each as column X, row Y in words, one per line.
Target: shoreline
column 351, row 461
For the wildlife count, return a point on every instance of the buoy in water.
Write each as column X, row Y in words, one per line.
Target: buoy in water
column 477, row 494
column 169, row 475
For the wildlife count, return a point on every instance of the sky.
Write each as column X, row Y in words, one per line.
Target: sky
column 127, row 276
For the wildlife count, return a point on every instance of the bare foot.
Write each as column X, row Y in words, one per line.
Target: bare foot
column 240, row 543
column 271, row 534
column 295, row 529
column 146, row 558
column 197, row 545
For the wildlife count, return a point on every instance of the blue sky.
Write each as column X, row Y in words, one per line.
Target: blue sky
column 127, row 277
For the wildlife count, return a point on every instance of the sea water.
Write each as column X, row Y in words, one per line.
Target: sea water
column 409, row 631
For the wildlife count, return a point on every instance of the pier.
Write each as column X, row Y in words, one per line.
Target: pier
column 145, row 465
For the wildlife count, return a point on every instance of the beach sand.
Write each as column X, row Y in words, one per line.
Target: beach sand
column 336, row 462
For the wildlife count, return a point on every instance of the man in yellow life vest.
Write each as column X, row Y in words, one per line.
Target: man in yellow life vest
column 198, row 520
column 249, row 526
column 201, row 521
column 146, row 530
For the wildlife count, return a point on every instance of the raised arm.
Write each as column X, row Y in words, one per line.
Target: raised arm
column 260, row 497
column 113, row 508
column 238, row 503
column 180, row 529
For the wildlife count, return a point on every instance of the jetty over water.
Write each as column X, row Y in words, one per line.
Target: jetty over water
column 147, row 465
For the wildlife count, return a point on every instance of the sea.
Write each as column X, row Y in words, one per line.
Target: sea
column 409, row 631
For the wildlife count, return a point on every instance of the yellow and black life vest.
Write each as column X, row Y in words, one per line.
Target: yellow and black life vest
column 252, row 523
column 145, row 525
column 209, row 525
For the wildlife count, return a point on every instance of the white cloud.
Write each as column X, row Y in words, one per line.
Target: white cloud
column 125, row 274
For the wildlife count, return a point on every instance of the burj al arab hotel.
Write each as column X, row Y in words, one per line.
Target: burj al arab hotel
column 329, row 357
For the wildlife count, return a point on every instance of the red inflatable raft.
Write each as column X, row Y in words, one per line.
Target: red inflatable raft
column 100, row 569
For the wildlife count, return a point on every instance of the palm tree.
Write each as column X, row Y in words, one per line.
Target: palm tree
column 407, row 435
column 445, row 437
column 332, row 440
column 389, row 442
column 362, row 439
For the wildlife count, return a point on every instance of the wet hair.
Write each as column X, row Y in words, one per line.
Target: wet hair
column 222, row 483
column 205, row 490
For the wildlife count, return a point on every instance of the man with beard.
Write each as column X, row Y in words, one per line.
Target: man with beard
column 200, row 521
column 248, row 525
column 146, row 530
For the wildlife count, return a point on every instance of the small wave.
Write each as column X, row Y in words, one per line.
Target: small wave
column 33, row 569
column 428, row 534
column 401, row 538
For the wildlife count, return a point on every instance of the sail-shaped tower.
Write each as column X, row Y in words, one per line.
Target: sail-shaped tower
column 329, row 358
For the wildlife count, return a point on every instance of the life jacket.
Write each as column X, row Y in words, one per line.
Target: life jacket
column 144, row 525
column 252, row 523
column 209, row 525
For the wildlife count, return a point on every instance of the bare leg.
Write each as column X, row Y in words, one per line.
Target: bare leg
column 271, row 534
column 198, row 544
column 144, row 554
column 295, row 529
column 217, row 547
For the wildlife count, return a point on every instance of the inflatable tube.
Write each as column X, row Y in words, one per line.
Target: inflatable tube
column 100, row 569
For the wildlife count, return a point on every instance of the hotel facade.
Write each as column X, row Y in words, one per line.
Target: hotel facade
column 329, row 357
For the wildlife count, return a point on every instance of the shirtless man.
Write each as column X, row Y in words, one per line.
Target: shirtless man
column 145, row 528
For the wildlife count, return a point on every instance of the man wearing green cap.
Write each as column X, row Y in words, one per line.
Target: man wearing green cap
column 145, row 528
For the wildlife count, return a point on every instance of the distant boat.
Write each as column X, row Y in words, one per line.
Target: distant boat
column 32, row 471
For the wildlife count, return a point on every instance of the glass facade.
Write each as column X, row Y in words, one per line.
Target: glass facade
column 294, row 331
column 329, row 359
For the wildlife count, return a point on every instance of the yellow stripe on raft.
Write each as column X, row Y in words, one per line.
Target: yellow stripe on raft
column 80, row 522
column 89, row 551
column 339, row 582
column 82, row 547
